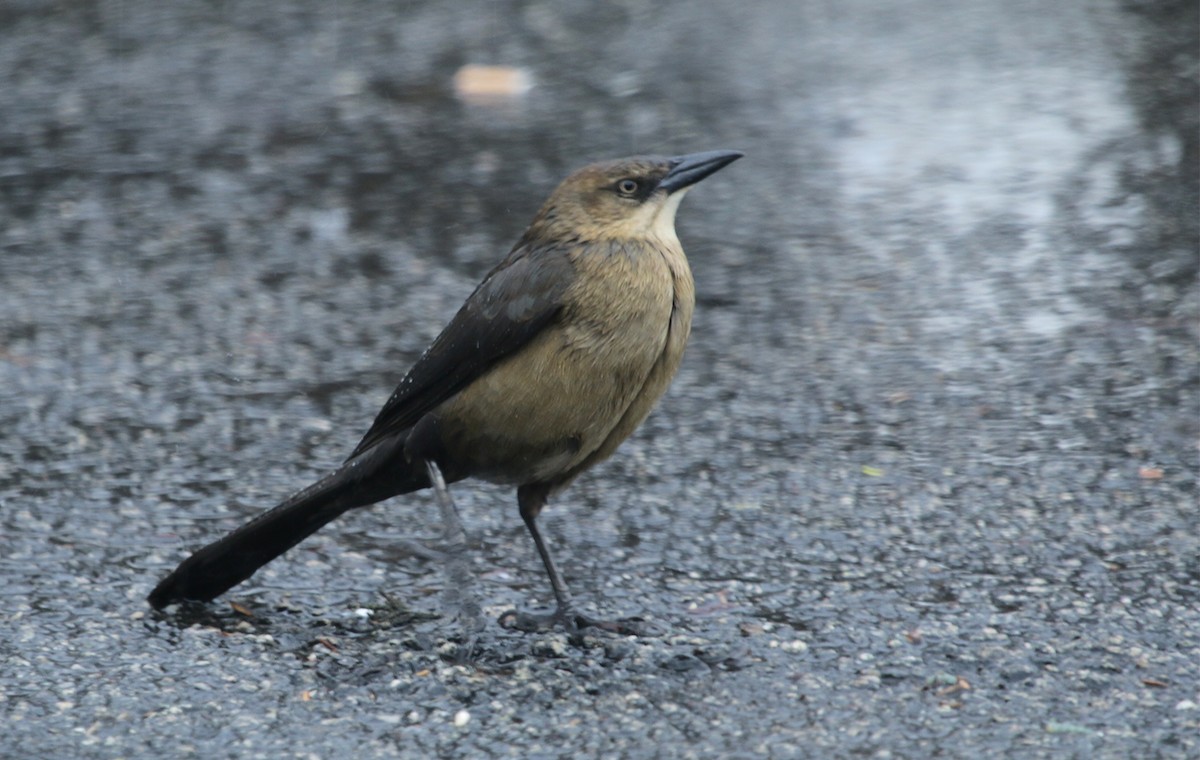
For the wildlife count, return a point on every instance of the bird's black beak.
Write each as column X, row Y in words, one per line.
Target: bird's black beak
column 690, row 169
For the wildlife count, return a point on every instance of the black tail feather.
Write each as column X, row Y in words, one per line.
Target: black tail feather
column 211, row 571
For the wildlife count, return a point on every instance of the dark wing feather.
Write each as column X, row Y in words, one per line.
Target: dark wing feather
column 515, row 302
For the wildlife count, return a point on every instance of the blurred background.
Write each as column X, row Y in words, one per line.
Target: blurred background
column 926, row 481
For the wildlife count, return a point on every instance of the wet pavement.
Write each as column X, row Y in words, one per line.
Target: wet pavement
column 926, row 484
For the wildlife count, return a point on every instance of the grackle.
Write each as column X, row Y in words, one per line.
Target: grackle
column 554, row 359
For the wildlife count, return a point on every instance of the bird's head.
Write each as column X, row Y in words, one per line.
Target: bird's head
column 626, row 198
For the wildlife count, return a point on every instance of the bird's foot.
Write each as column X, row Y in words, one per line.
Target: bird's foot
column 567, row 619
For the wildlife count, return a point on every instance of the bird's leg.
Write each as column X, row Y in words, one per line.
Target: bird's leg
column 453, row 532
column 562, row 595
column 531, row 500
column 460, row 582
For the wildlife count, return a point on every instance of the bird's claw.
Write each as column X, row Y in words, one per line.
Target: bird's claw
column 572, row 622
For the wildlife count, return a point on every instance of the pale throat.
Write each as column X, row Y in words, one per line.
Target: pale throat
column 663, row 224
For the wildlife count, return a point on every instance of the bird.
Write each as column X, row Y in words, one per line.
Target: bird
column 554, row 359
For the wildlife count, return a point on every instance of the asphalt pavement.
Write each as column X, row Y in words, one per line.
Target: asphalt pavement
column 925, row 485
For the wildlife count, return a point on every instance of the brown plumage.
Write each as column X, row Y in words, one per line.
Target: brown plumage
column 554, row 359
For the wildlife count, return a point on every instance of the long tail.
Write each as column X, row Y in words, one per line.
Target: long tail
column 375, row 475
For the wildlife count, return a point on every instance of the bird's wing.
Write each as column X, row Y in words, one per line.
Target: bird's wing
column 517, row 299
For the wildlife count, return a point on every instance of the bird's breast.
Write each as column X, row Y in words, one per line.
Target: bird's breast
column 586, row 381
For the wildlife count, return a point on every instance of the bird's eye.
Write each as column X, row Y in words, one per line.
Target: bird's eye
column 627, row 187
